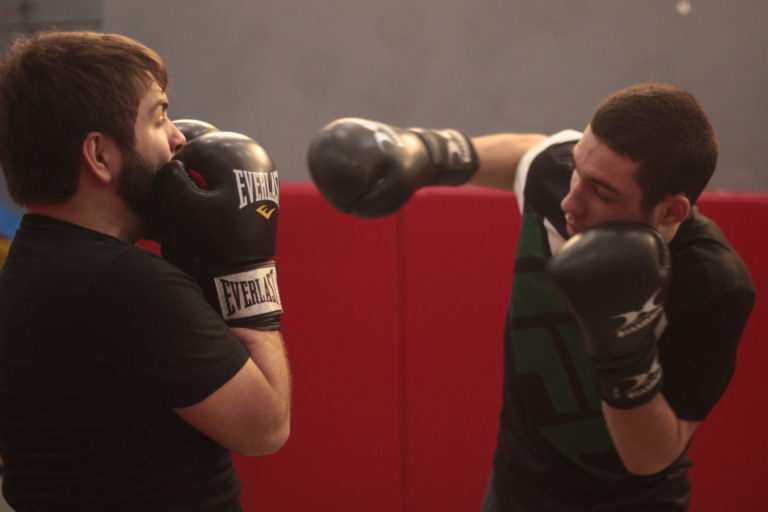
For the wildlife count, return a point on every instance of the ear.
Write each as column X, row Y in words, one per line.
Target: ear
column 101, row 157
column 674, row 210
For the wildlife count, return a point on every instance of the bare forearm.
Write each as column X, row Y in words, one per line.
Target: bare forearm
column 499, row 155
column 267, row 351
column 650, row 437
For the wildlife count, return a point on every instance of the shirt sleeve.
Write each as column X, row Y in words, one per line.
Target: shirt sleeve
column 542, row 180
column 532, row 155
column 698, row 348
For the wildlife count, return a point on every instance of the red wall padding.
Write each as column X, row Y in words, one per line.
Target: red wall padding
column 730, row 448
column 338, row 280
column 458, row 254
column 394, row 330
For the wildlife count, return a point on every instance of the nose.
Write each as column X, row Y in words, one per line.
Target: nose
column 571, row 203
column 177, row 139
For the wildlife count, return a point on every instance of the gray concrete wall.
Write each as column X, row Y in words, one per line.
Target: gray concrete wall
column 278, row 70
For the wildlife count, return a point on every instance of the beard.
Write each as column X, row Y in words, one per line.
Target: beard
column 134, row 186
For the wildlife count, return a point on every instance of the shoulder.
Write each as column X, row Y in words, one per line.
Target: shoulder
column 705, row 267
column 543, row 178
column 554, row 151
column 134, row 279
column 135, row 259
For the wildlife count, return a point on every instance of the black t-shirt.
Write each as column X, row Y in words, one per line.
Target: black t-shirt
column 99, row 340
column 554, row 451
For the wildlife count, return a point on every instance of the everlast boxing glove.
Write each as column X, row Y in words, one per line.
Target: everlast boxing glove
column 192, row 128
column 370, row 169
column 614, row 277
column 223, row 224
column 154, row 230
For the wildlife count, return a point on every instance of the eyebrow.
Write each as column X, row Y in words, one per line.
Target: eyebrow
column 162, row 103
column 603, row 183
column 592, row 179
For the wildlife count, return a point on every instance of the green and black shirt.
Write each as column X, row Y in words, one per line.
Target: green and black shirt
column 554, row 451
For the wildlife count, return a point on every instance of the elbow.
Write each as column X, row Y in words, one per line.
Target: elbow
column 276, row 439
column 645, row 467
column 267, row 440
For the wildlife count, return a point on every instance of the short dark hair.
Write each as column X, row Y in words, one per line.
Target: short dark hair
column 665, row 130
column 55, row 88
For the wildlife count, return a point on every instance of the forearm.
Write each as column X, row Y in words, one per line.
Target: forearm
column 499, row 155
column 650, row 437
column 267, row 351
column 270, row 408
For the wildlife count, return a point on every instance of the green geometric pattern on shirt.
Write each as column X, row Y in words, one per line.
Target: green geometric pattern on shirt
column 530, row 243
column 546, row 341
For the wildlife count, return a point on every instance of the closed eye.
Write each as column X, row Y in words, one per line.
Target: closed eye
column 603, row 191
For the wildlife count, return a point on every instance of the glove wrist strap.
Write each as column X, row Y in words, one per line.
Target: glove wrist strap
column 632, row 387
column 247, row 297
column 452, row 154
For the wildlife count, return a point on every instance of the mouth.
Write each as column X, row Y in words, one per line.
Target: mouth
column 570, row 227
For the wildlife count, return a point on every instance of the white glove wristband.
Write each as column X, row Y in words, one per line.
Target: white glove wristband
column 251, row 293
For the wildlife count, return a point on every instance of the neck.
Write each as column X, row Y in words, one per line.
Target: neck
column 115, row 220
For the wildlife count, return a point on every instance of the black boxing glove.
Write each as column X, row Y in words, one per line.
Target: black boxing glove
column 192, row 128
column 153, row 226
column 614, row 277
column 222, row 224
column 370, row 169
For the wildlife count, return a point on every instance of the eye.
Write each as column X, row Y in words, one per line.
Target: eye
column 163, row 117
column 163, row 120
column 601, row 194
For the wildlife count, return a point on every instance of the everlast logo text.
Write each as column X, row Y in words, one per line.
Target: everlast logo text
column 253, row 187
column 250, row 293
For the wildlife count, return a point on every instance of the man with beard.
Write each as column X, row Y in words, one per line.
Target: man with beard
column 121, row 387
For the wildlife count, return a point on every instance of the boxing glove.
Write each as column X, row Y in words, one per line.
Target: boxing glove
column 223, row 229
column 614, row 278
column 153, row 226
column 370, row 169
column 192, row 128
